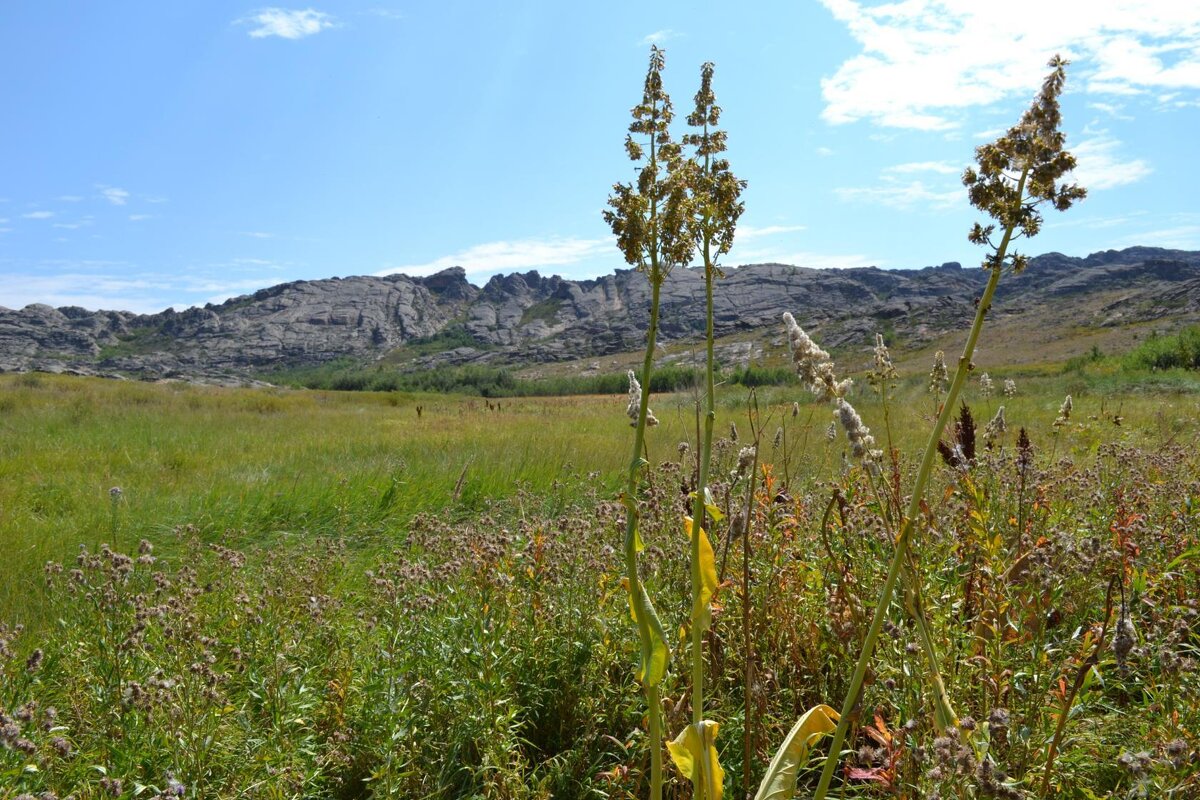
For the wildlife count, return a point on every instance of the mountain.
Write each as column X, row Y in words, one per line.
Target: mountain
column 527, row 318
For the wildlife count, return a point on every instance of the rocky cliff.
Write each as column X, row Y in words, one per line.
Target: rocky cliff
column 526, row 318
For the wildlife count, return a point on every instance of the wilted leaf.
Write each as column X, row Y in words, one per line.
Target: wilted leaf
column 694, row 752
column 780, row 781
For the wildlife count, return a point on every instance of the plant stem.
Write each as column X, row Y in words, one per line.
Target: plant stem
column 914, row 508
column 710, row 416
column 641, row 613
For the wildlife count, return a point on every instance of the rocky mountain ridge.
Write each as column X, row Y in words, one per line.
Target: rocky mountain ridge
column 525, row 318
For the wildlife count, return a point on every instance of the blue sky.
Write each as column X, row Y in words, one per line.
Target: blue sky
column 158, row 153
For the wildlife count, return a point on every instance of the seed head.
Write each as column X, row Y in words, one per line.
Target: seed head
column 635, row 403
column 861, row 440
column 938, row 376
column 884, row 370
column 1010, row 387
column 1022, row 170
column 997, row 427
column 1064, row 412
column 813, row 364
column 986, row 386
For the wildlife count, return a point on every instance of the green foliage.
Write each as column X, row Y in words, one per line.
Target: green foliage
column 1176, row 351
column 138, row 341
column 543, row 310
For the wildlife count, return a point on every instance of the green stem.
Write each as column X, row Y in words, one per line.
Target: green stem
column 641, row 613
column 902, row 541
column 710, row 416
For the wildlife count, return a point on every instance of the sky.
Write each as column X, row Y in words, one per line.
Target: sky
column 158, row 154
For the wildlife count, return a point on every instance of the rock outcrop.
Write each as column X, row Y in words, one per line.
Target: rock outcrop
column 529, row 318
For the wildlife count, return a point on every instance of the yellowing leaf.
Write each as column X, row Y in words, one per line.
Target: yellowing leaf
column 780, row 781
column 710, row 505
column 701, row 613
column 653, row 666
column 694, row 752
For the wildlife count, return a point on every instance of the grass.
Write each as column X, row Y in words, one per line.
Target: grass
column 478, row 645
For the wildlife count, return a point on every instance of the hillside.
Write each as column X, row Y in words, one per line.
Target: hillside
column 529, row 319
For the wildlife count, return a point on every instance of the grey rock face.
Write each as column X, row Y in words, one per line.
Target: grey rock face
column 529, row 318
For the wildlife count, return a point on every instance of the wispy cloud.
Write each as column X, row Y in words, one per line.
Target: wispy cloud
column 71, row 198
column 1113, row 110
column 118, row 197
column 904, row 197
column 824, row 152
column 1100, row 166
column 940, row 167
column 287, row 23
column 38, row 215
column 508, row 256
column 258, row 234
column 807, row 258
column 384, row 13
column 658, row 37
column 752, row 232
column 140, row 217
column 922, row 63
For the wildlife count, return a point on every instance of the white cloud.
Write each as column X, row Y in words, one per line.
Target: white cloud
column 658, row 37
column 904, row 196
column 140, row 217
column 154, row 199
column 384, row 13
column 288, row 23
column 824, row 152
column 258, row 234
column 508, row 256
column 71, row 198
column 1183, row 237
column 38, row 215
column 751, row 232
column 1099, row 167
column 70, row 226
column 1115, row 111
column 118, row 197
column 940, row 167
column 806, row 258
column 924, row 62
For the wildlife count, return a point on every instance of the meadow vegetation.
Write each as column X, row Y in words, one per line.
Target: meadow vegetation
column 991, row 592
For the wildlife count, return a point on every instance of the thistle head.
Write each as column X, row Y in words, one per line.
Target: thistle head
column 1022, row 170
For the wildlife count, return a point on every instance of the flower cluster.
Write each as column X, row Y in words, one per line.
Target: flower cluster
column 939, row 376
column 813, row 364
column 635, row 403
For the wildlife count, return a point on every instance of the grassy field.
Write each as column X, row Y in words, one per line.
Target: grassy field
column 351, row 599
